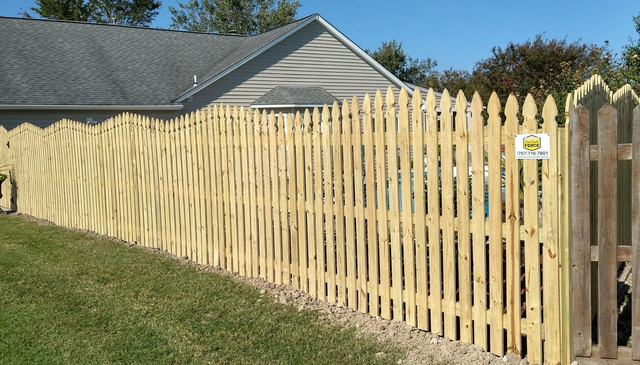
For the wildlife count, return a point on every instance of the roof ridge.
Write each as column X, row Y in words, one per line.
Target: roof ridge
column 286, row 25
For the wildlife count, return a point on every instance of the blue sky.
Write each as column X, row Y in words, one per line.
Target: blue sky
column 455, row 33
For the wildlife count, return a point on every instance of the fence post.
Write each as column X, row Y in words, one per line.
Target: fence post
column 635, row 232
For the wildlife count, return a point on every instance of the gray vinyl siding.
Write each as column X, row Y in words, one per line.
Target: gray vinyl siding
column 310, row 57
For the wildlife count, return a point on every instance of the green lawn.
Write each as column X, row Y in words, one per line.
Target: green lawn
column 71, row 298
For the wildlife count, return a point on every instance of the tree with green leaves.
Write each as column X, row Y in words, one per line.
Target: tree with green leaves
column 540, row 67
column 123, row 12
column 630, row 68
column 452, row 80
column 413, row 70
column 61, row 9
column 225, row 16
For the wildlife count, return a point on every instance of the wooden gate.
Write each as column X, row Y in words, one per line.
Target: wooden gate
column 599, row 335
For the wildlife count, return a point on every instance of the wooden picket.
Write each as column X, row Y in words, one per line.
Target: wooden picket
column 403, row 208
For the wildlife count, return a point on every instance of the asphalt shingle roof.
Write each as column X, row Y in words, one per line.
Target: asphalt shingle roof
column 47, row 62
column 288, row 95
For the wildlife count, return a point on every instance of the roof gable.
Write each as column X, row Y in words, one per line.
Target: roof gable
column 286, row 32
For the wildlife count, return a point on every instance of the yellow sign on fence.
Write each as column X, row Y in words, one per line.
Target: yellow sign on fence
column 533, row 146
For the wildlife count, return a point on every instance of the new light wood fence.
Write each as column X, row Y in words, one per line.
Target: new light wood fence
column 354, row 204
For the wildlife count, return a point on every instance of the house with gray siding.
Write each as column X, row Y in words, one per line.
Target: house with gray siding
column 51, row 69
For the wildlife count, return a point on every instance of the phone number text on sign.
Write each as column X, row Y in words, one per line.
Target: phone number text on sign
column 533, row 146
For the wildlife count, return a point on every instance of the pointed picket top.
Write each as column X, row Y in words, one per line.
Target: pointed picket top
column 346, row 116
column 192, row 119
column 277, row 122
column 550, row 113
column 264, row 122
column 378, row 103
column 245, row 117
column 274, row 122
column 325, row 119
column 160, row 126
column 512, row 108
column 335, row 116
column 316, row 120
column 242, row 114
column 280, row 123
column 181, row 125
column 171, row 126
column 256, row 120
column 569, row 106
column 461, row 113
column 346, row 107
column 187, row 121
column 529, row 112
column 416, row 102
column 214, row 113
column 461, row 102
column 390, row 99
column 431, row 104
column 217, row 108
column 445, row 102
column 209, row 113
column 308, row 124
column 366, row 106
column 494, row 107
column 403, row 100
column 221, row 119
column 202, row 116
column 355, row 110
column 227, row 114
column 235, row 115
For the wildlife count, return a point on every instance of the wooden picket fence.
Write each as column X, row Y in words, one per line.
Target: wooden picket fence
column 608, row 251
column 604, row 226
column 354, row 204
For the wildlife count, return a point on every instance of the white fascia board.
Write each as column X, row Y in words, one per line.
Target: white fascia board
column 253, row 55
column 93, row 107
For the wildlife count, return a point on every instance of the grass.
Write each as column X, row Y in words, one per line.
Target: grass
column 70, row 298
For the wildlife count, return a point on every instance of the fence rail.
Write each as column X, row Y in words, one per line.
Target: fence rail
column 401, row 212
